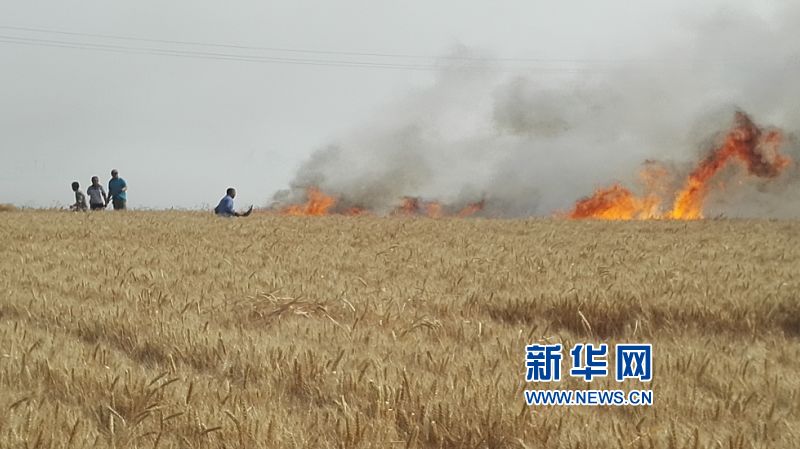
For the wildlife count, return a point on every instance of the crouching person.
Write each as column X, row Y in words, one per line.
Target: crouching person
column 225, row 206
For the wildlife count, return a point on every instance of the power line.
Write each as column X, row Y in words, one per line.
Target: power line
column 198, row 55
column 114, row 48
column 296, row 50
column 206, row 50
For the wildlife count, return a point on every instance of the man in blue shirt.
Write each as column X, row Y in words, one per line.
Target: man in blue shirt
column 225, row 206
column 117, row 188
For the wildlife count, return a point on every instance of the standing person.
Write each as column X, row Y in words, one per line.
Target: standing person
column 117, row 188
column 80, row 198
column 225, row 206
column 98, row 199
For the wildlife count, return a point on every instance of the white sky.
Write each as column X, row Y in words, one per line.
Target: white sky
column 181, row 130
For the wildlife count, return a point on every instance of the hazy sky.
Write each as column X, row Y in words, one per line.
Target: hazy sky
column 180, row 130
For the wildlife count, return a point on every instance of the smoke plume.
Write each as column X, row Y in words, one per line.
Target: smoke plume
column 533, row 144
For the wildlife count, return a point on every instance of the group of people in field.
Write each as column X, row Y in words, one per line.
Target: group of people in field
column 99, row 199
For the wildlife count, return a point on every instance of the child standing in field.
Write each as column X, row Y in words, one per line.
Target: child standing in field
column 98, row 199
column 80, row 198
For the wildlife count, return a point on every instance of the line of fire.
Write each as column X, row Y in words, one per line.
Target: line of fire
column 755, row 150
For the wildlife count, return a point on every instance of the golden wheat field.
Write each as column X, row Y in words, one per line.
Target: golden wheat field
column 181, row 330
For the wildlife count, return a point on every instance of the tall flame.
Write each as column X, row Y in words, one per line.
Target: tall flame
column 757, row 150
column 746, row 143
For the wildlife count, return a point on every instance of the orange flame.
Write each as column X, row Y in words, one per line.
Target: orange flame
column 408, row 207
column 745, row 142
column 433, row 210
column 615, row 203
column 471, row 209
column 317, row 204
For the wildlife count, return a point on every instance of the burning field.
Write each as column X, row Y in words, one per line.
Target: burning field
column 746, row 153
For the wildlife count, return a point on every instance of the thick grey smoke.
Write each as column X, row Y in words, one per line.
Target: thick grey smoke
column 531, row 144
